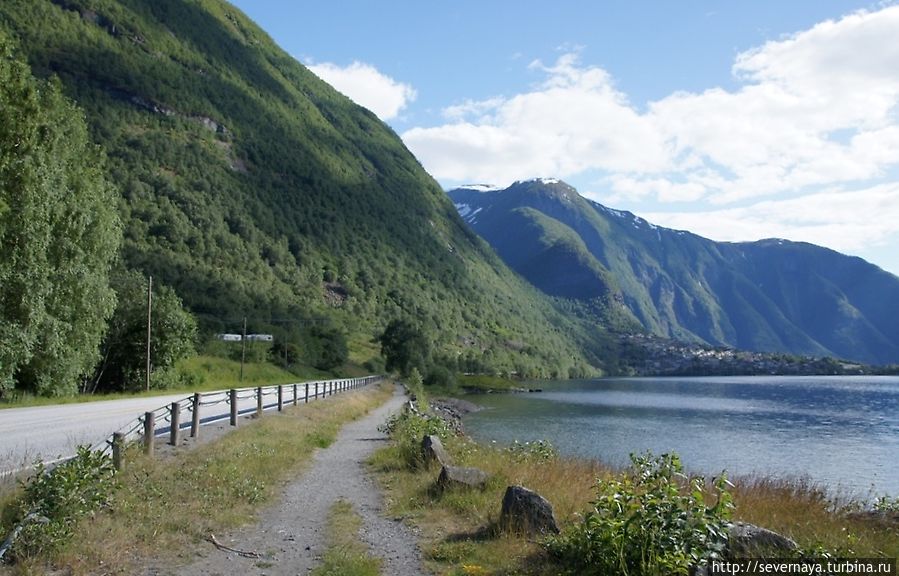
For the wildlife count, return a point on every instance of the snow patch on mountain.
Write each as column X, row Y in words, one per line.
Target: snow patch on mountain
column 467, row 213
column 481, row 187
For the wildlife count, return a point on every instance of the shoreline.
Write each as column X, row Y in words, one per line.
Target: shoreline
column 452, row 410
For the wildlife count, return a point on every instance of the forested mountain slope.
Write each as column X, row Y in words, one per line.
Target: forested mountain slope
column 255, row 189
column 771, row 295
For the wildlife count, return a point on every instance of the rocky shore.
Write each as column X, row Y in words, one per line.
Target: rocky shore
column 452, row 410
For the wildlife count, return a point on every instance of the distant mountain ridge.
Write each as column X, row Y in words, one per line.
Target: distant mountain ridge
column 770, row 295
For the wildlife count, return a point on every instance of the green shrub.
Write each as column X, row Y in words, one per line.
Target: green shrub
column 537, row 451
column 650, row 522
column 407, row 430
column 57, row 499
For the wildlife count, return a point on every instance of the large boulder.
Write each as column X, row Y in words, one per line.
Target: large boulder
column 457, row 477
column 525, row 511
column 745, row 539
column 432, row 450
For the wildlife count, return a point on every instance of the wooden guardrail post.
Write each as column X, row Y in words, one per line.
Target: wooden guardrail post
column 175, row 430
column 118, row 447
column 294, row 394
column 195, row 417
column 259, row 402
column 306, row 401
column 280, row 398
column 232, row 396
column 149, row 432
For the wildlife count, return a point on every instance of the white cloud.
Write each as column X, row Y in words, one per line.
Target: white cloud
column 815, row 109
column 781, row 132
column 845, row 220
column 574, row 121
column 368, row 87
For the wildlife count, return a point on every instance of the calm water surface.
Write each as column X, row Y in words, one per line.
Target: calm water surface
column 842, row 433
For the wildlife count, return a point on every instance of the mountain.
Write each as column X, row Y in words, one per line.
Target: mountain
column 770, row 295
column 256, row 190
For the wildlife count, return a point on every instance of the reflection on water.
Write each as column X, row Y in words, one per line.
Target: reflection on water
column 838, row 431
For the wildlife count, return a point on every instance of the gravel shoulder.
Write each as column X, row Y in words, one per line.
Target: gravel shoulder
column 290, row 535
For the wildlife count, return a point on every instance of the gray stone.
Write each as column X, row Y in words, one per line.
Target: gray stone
column 433, row 451
column 525, row 511
column 745, row 539
column 453, row 477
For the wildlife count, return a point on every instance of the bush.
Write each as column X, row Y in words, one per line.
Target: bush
column 58, row 499
column 648, row 523
column 407, row 430
column 537, row 451
column 440, row 377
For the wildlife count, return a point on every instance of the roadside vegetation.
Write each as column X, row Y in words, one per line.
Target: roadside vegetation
column 161, row 506
column 651, row 518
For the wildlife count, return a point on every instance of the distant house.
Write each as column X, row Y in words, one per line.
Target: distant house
column 250, row 337
column 260, row 337
column 229, row 337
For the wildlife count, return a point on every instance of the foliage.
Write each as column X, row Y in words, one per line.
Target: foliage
column 441, row 377
column 60, row 497
column 648, row 523
column 887, row 504
column 326, row 347
column 407, row 430
column 59, row 231
column 124, row 350
column 404, row 347
column 252, row 188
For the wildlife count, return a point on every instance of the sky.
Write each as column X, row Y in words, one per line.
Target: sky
column 734, row 120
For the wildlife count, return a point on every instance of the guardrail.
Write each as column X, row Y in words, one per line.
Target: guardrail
column 193, row 412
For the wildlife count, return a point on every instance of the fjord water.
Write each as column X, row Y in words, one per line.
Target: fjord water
column 841, row 433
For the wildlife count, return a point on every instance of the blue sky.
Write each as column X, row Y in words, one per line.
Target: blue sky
column 734, row 120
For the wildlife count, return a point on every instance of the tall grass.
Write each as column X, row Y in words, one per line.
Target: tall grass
column 814, row 518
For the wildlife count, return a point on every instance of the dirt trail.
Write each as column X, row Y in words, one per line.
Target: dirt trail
column 290, row 535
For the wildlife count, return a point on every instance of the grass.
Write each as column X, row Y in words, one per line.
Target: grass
column 460, row 532
column 346, row 555
column 813, row 518
column 167, row 505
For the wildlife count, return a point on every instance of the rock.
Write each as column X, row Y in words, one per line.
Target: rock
column 525, row 511
column 452, row 477
column 745, row 539
column 432, row 450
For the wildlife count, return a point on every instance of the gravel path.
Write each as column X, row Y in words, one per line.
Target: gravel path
column 290, row 535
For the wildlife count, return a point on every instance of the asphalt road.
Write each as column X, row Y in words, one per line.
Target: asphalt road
column 53, row 432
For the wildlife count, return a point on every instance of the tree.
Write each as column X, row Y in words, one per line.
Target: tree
column 174, row 333
column 59, row 232
column 404, row 346
column 326, row 347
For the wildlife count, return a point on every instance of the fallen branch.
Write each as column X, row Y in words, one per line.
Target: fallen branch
column 241, row 553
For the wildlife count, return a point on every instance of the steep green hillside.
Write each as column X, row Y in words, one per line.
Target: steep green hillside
column 255, row 189
column 771, row 295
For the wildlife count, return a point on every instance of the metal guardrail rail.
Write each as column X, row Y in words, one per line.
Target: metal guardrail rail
column 210, row 407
